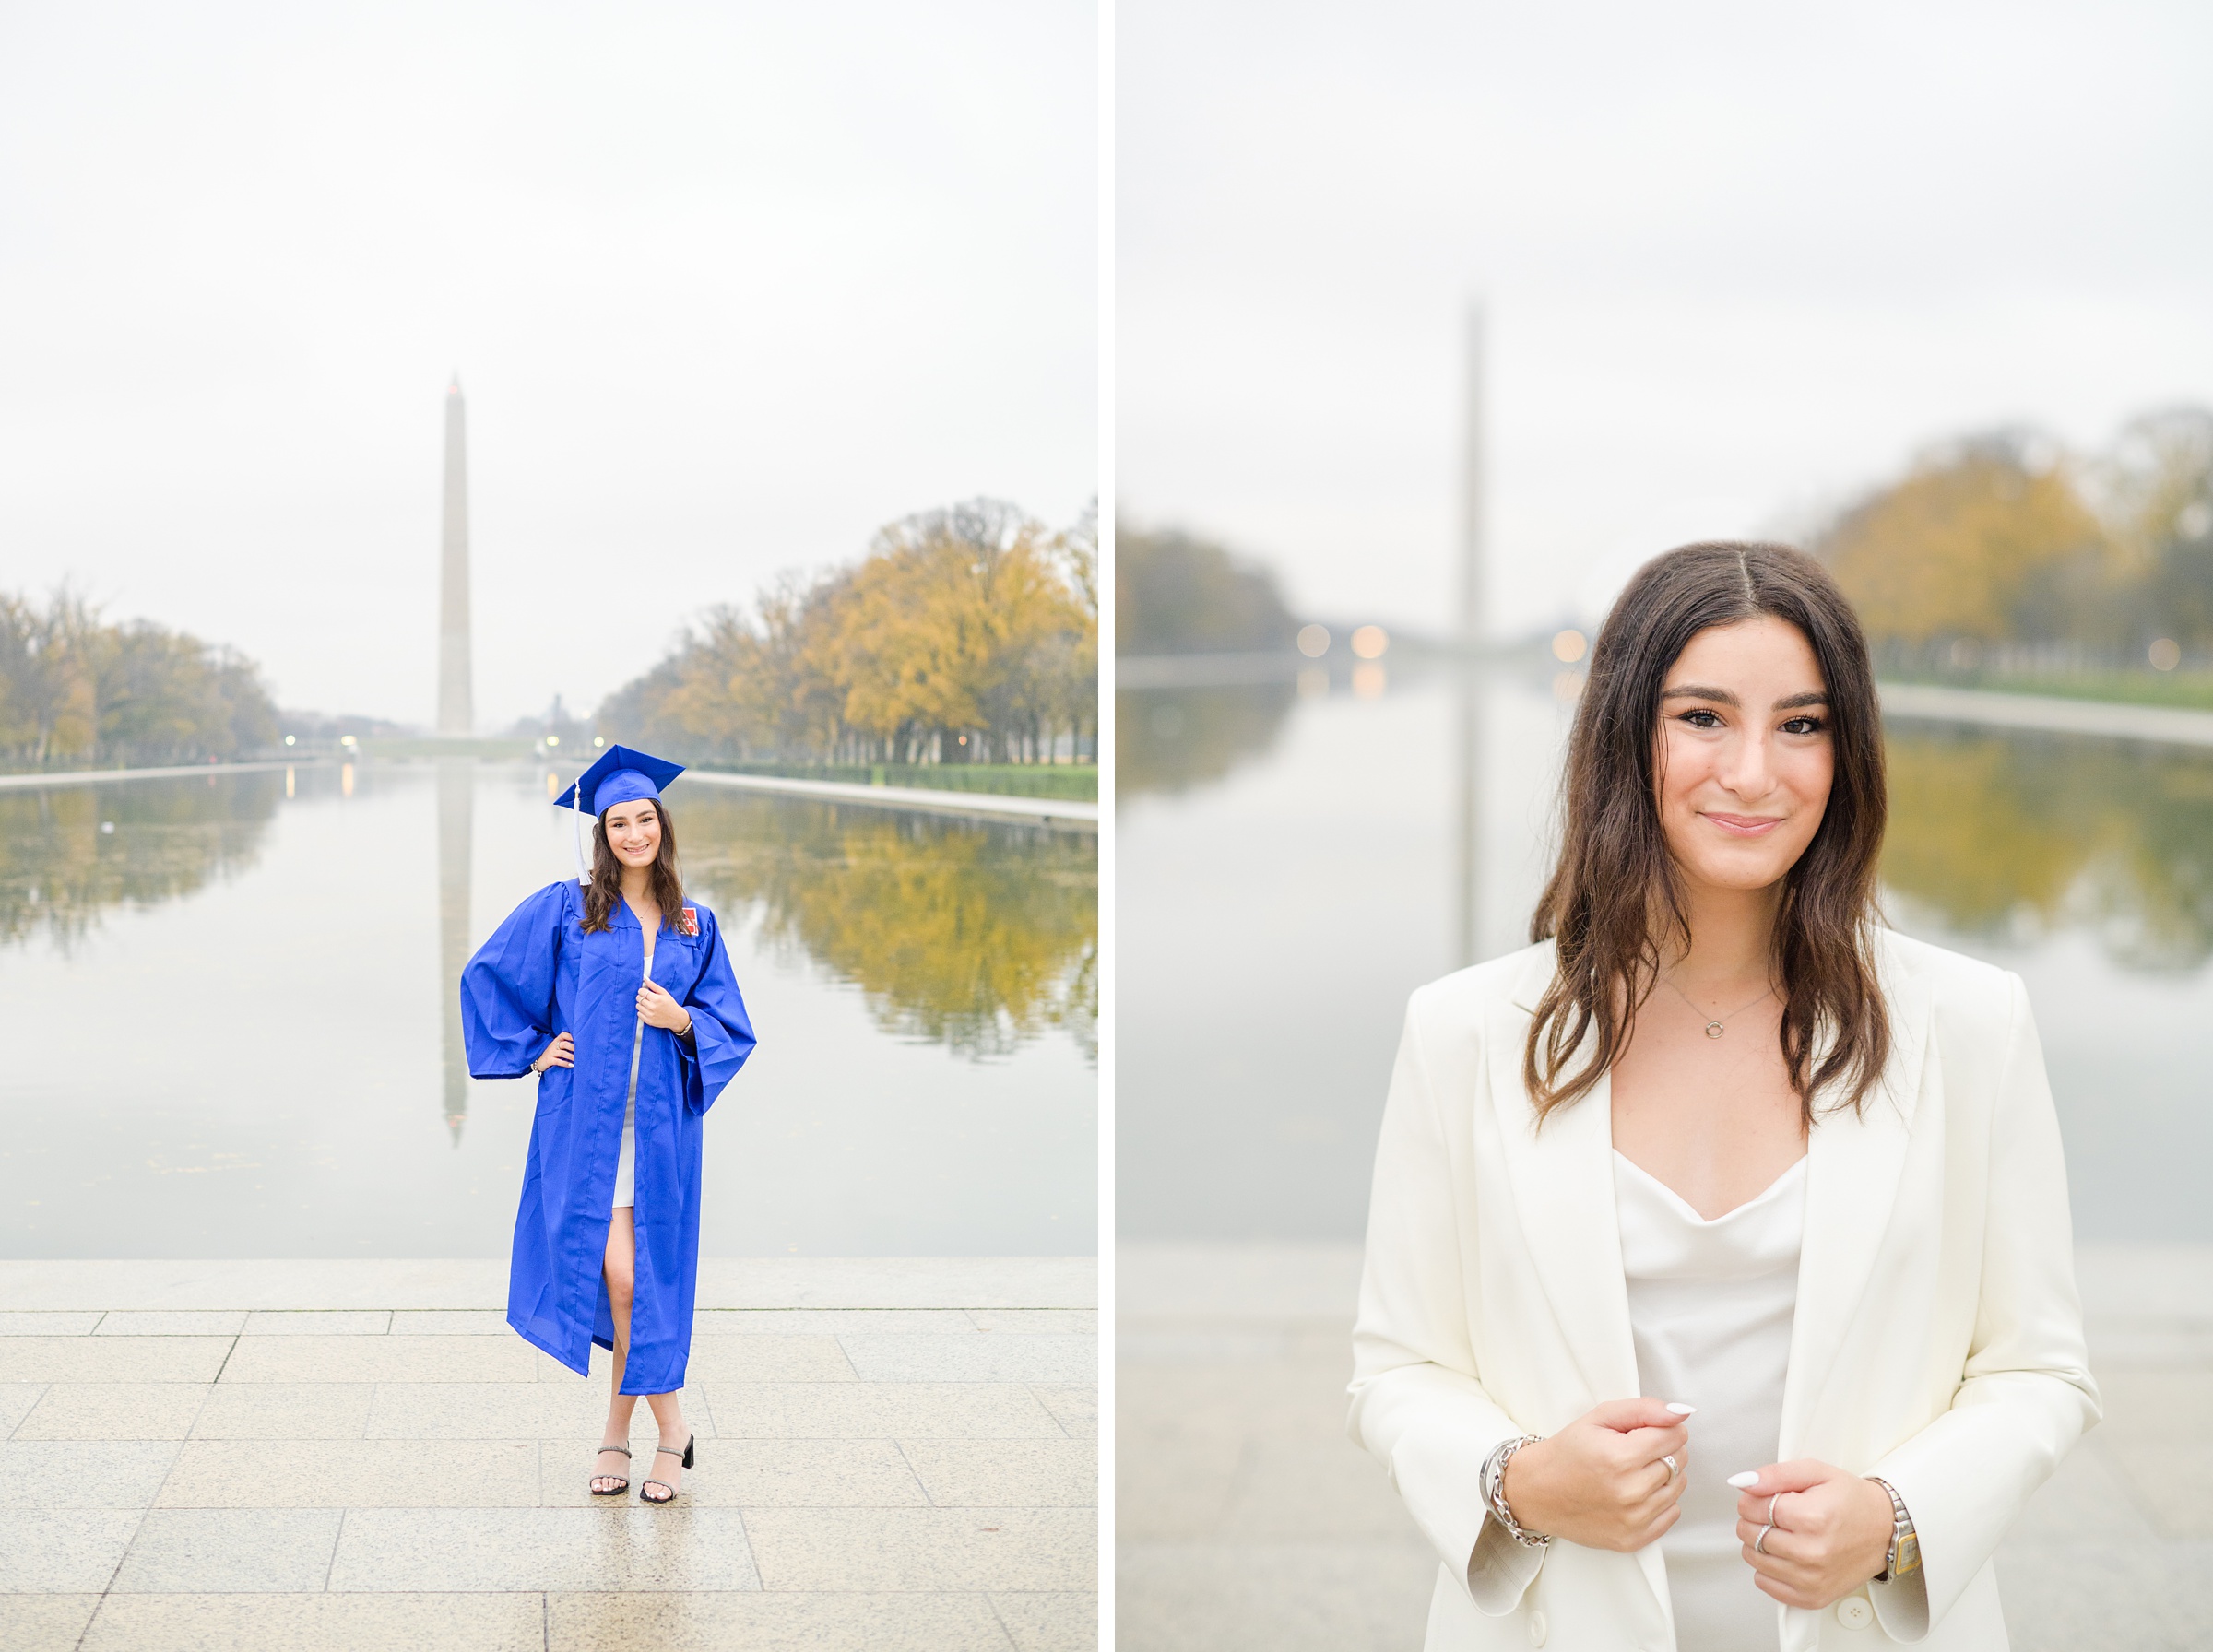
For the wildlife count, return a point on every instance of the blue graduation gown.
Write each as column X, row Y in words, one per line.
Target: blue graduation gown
column 540, row 974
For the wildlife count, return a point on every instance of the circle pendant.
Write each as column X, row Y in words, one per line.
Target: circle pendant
column 1713, row 1029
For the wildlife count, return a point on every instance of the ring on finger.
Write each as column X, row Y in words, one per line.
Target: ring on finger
column 1771, row 1503
column 1759, row 1542
column 1674, row 1467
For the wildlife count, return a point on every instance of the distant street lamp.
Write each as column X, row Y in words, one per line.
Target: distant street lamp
column 2166, row 654
column 1369, row 641
column 1313, row 641
column 1569, row 646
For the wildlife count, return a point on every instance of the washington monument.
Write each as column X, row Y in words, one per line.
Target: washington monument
column 457, row 708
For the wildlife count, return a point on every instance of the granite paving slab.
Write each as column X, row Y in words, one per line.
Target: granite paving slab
column 350, row 1474
column 285, row 1411
column 46, row 1622
column 98, row 1358
column 381, row 1358
column 829, row 1322
column 529, row 1410
column 326, row 1622
column 63, row 1551
column 341, row 1322
column 1050, row 1623
column 775, row 1622
column 885, row 1410
column 115, row 1411
column 48, row 1325
column 622, row 1547
column 16, row 1402
column 203, row 1322
column 229, row 1550
column 83, row 1473
column 869, row 1549
column 1056, row 1322
column 1075, row 1406
column 1037, row 1358
column 1000, row 1473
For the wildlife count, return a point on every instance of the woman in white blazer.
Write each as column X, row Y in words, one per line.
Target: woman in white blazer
column 1720, row 1130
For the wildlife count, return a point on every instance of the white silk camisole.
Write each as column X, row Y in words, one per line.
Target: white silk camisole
column 1710, row 1304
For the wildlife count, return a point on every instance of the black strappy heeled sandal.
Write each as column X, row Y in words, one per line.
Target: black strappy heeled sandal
column 622, row 1481
column 646, row 1496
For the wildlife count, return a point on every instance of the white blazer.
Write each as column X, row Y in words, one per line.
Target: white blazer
column 1937, row 1341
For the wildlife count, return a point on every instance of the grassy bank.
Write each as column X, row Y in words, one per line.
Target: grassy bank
column 2190, row 689
column 1076, row 783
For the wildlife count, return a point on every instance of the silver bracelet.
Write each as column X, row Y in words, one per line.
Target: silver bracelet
column 1493, row 1482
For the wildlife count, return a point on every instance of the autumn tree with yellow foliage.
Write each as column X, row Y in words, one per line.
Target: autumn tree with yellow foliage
column 2008, row 539
column 966, row 634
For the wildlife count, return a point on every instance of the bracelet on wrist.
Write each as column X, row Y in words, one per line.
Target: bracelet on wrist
column 1903, row 1556
column 1493, row 1480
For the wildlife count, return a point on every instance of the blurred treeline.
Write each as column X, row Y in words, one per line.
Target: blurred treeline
column 2006, row 549
column 78, row 691
column 974, row 937
column 1176, row 594
column 968, row 635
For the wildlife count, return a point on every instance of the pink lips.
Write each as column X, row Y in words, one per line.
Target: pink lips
column 1745, row 825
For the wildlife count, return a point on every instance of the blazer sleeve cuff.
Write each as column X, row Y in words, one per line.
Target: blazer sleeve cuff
column 1439, row 1471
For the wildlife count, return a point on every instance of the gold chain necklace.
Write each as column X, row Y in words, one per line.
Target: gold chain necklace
column 1713, row 1026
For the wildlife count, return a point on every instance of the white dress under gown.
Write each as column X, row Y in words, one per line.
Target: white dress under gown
column 1710, row 1304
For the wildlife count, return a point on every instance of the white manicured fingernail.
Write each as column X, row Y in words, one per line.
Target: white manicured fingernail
column 1746, row 1480
column 1679, row 1408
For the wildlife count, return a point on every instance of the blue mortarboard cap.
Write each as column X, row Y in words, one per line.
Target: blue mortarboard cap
column 619, row 775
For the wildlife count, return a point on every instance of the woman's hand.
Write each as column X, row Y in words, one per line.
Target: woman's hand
column 660, row 1010
column 1832, row 1531
column 561, row 1052
column 1602, row 1481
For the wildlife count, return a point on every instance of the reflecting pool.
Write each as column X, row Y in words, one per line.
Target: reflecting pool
column 231, row 1027
column 1293, row 860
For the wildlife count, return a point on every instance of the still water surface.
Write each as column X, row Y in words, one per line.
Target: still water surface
column 231, row 1030
column 1290, row 865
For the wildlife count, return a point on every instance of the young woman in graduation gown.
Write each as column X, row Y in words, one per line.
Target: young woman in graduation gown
column 1719, row 1294
column 617, row 991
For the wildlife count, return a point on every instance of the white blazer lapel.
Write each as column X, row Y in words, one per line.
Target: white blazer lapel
column 1855, row 1162
column 1562, row 1177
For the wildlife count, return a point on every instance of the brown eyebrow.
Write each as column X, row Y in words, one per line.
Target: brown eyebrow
column 1723, row 697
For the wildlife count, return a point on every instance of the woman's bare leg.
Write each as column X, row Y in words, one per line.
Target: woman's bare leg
column 669, row 1465
column 620, row 1272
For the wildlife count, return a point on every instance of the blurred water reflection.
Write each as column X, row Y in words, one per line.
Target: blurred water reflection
column 1271, row 924
column 59, row 867
column 978, row 937
column 233, row 1027
column 2007, row 837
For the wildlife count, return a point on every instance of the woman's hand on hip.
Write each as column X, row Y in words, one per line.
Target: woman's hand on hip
column 561, row 1052
column 1603, row 1482
column 660, row 1010
column 1832, row 1531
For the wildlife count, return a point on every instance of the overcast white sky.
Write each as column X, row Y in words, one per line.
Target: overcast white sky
column 727, row 286
column 1740, row 259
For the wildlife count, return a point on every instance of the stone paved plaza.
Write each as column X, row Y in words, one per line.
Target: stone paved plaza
column 355, row 1455
column 1246, row 1519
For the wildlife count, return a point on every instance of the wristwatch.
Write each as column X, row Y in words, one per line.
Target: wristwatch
column 1904, row 1554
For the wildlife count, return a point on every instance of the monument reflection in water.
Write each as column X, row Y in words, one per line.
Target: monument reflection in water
column 1282, row 893
column 233, row 1027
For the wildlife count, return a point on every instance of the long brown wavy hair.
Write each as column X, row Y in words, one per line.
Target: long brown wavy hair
column 1614, row 899
column 606, row 889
